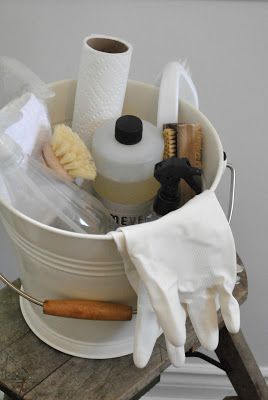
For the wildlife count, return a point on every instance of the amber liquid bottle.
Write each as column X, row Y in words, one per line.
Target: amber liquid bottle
column 125, row 152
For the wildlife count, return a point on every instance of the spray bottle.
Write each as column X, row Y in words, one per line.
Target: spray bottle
column 169, row 173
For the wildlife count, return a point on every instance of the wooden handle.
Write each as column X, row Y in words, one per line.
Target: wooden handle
column 88, row 309
column 52, row 162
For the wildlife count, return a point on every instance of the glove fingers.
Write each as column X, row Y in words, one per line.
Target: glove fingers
column 171, row 315
column 146, row 334
column 176, row 355
column 203, row 315
column 230, row 311
column 147, row 329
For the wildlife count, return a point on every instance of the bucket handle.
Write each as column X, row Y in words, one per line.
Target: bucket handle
column 232, row 186
column 231, row 192
column 80, row 309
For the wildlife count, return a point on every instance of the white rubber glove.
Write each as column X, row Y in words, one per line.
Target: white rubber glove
column 147, row 328
column 187, row 257
column 147, row 331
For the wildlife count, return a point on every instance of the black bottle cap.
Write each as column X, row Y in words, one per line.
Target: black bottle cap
column 128, row 129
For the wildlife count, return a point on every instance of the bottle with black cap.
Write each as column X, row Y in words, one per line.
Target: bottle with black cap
column 125, row 152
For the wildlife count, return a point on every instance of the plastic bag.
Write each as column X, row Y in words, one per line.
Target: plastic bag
column 16, row 79
column 23, row 112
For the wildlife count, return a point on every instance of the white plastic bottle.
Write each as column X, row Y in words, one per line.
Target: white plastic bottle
column 125, row 152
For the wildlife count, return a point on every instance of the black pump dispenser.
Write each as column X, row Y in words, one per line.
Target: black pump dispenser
column 169, row 173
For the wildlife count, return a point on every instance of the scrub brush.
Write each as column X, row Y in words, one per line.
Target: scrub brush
column 170, row 143
column 184, row 140
column 68, row 155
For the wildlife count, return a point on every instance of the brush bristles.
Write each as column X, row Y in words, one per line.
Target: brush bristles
column 72, row 153
column 170, row 143
column 198, row 147
column 184, row 140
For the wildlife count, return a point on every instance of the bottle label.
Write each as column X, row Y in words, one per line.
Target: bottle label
column 128, row 214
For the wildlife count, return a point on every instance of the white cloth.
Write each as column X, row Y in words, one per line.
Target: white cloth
column 33, row 129
column 23, row 111
column 177, row 264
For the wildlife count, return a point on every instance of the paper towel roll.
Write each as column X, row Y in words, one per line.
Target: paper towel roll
column 101, row 84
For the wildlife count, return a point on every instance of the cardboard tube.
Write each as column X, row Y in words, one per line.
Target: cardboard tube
column 101, row 83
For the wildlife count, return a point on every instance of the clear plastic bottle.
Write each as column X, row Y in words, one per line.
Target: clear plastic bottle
column 39, row 193
column 125, row 152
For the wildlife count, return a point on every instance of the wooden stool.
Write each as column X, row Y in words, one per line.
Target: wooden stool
column 31, row 370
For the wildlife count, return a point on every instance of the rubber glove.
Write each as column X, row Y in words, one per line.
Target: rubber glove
column 184, row 260
column 147, row 331
column 147, row 328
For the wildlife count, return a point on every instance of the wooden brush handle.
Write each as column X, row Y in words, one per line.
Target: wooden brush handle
column 53, row 163
column 88, row 309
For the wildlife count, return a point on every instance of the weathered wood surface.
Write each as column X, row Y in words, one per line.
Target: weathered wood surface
column 241, row 368
column 231, row 398
column 31, row 370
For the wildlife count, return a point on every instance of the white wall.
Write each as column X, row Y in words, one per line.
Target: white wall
column 226, row 45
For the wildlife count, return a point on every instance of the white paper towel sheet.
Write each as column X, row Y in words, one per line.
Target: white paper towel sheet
column 101, row 85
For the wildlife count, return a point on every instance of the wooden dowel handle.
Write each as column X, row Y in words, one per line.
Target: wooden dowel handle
column 88, row 309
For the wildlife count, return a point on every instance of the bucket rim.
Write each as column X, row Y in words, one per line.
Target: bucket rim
column 134, row 82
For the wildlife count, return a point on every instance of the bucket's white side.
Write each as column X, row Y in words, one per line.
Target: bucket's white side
column 59, row 264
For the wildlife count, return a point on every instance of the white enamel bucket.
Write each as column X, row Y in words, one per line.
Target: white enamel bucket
column 59, row 264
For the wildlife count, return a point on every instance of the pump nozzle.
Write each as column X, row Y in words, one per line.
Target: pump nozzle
column 169, row 173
